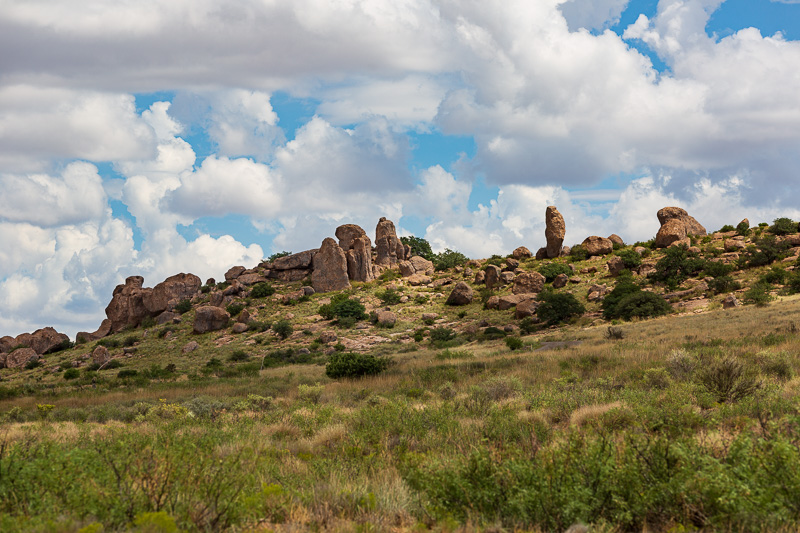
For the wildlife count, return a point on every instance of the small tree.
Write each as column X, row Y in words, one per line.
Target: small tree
column 558, row 307
column 419, row 246
column 449, row 259
column 283, row 328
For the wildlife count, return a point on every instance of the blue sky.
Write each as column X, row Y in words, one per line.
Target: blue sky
column 199, row 135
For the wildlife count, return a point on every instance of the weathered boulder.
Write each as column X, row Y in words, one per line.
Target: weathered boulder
column 461, row 295
column 386, row 318
column 616, row 239
column 418, row 279
column 190, row 347
column 239, row 327
column 168, row 317
column 511, row 300
column 21, row 357
column 41, row 341
column 595, row 245
column 6, row 343
column 528, row 283
column 507, row 277
column 330, row 268
column 541, row 253
column 416, row 265
column 676, row 225
column 521, row 253
column 492, row 276
column 615, row 265
column 100, row 355
column 389, row 249
column 744, row 223
column 554, row 231
column 511, row 265
column 730, row 301
column 300, row 260
column 127, row 304
column 210, row 318
column 234, row 272
column 527, row 308
column 493, row 302
column 359, row 259
column 291, row 275
column 560, row 281
column 347, row 233
column 480, row 277
column 170, row 291
column 596, row 292
column 251, row 278
column 327, row 337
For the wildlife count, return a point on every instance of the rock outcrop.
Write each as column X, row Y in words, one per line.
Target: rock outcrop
column 595, row 245
column 210, row 318
column 461, row 295
column 554, row 231
column 416, row 265
column 292, row 267
column 521, row 253
column 330, row 268
column 41, row 341
column 131, row 303
column 355, row 243
column 492, row 277
column 528, row 283
column 21, row 357
column 388, row 247
column 676, row 227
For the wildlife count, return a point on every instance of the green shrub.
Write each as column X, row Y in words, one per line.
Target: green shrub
column 722, row 284
column 677, row 265
column 578, row 253
column 283, row 328
column 259, row 326
column 629, row 257
column 758, row 294
column 262, row 290
column 528, row 325
column 494, row 333
column 550, row 271
column 235, row 308
column 496, row 260
column 775, row 275
column 127, row 373
column 783, row 226
column 765, row 251
column 728, row 379
column 615, row 333
column 442, row 334
column 184, row 306
column 449, row 259
column 389, row 296
column 419, row 246
column 743, row 228
column 641, row 304
column 33, row 363
column 793, row 282
column 148, row 322
column 276, row 255
column 61, row 346
column 130, row 340
column 238, row 356
column 353, row 365
column 513, row 343
column 72, row 373
column 726, row 228
column 556, row 307
column 342, row 306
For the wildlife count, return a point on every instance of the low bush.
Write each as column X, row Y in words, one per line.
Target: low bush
column 442, row 334
column 354, row 365
column 677, row 265
column 743, row 228
column 759, row 294
column 783, row 226
column 557, row 307
column 276, row 255
column 262, row 290
column 184, row 306
column 72, row 373
column 238, row 356
column 283, row 328
column 235, row 308
column 578, row 253
column 550, row 271
column 728, row 379
column 765, row 251
column 342, row 307
column 389, row 296
column 629, row 257
column 449, row 259
column 513, row 343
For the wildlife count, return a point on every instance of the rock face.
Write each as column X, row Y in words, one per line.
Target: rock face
column 461, row 295
column 359, row 259
column 210, row 318
column 676, row 225
column 21, row 357
column 528, row 283
column 595, row 245
column 130, row 303
column 347, row 233
column 330, row 268
column 554, row 231
column 388, row 247
column 41, row 341
column 234, row 272
column 521, row 253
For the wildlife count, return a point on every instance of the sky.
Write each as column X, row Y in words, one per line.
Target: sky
column 151, row 138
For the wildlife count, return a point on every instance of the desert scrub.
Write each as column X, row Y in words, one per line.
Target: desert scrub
column 550, row 271
column 354, row 365
column 343, row 307
column 556, row 307
column 262, row 290
column 283, row 328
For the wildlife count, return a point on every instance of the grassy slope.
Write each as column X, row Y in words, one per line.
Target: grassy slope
column 687, row 421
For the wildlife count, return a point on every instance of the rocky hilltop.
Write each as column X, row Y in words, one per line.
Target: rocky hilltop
column 516, row 283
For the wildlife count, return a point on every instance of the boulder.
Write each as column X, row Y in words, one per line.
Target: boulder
column 170, row 291
column 290, row 276
column 493, row 302
column 560, row 281
column 596, row 292
column 507, row 277
column 616, row 239
column 511, row 265
column 41, row 341
column 416, row 265
column 244, row 317
column 100, row 355
column 511, row 300
column 418, row 279
column 127, row 304
column 190, row 347
column 527, row 308
column 492, row 277
column 327, row 337
column 676, row 226
column 167, row 317
column 347, row 233
column 6, row 343
column 239, row 327
column 480, row 277
column 21, row 357
column 595, row 245
column 386, row 318
column 554, row 231
column 300, row 260
column 330, row 268
column 528, row 283
column 615, row 265
column 745, row 222
column 210, row 318
column 730, row 301
column 541, row 253
column 461, row 294
column 521, row 253
column 251, row 279
column 234, row 272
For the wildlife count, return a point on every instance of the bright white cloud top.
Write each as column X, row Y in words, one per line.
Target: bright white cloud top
column 157, row 137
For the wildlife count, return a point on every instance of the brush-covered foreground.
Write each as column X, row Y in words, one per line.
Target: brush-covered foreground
column 475, row 420
column 682, row 423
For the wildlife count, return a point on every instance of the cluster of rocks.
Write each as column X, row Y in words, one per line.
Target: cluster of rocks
column 20, row 350
column 676, row 227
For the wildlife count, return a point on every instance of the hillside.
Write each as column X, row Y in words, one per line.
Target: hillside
column 621, row 386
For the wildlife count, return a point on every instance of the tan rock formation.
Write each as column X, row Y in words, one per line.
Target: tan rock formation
column 330, row 268
column 554, row 231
